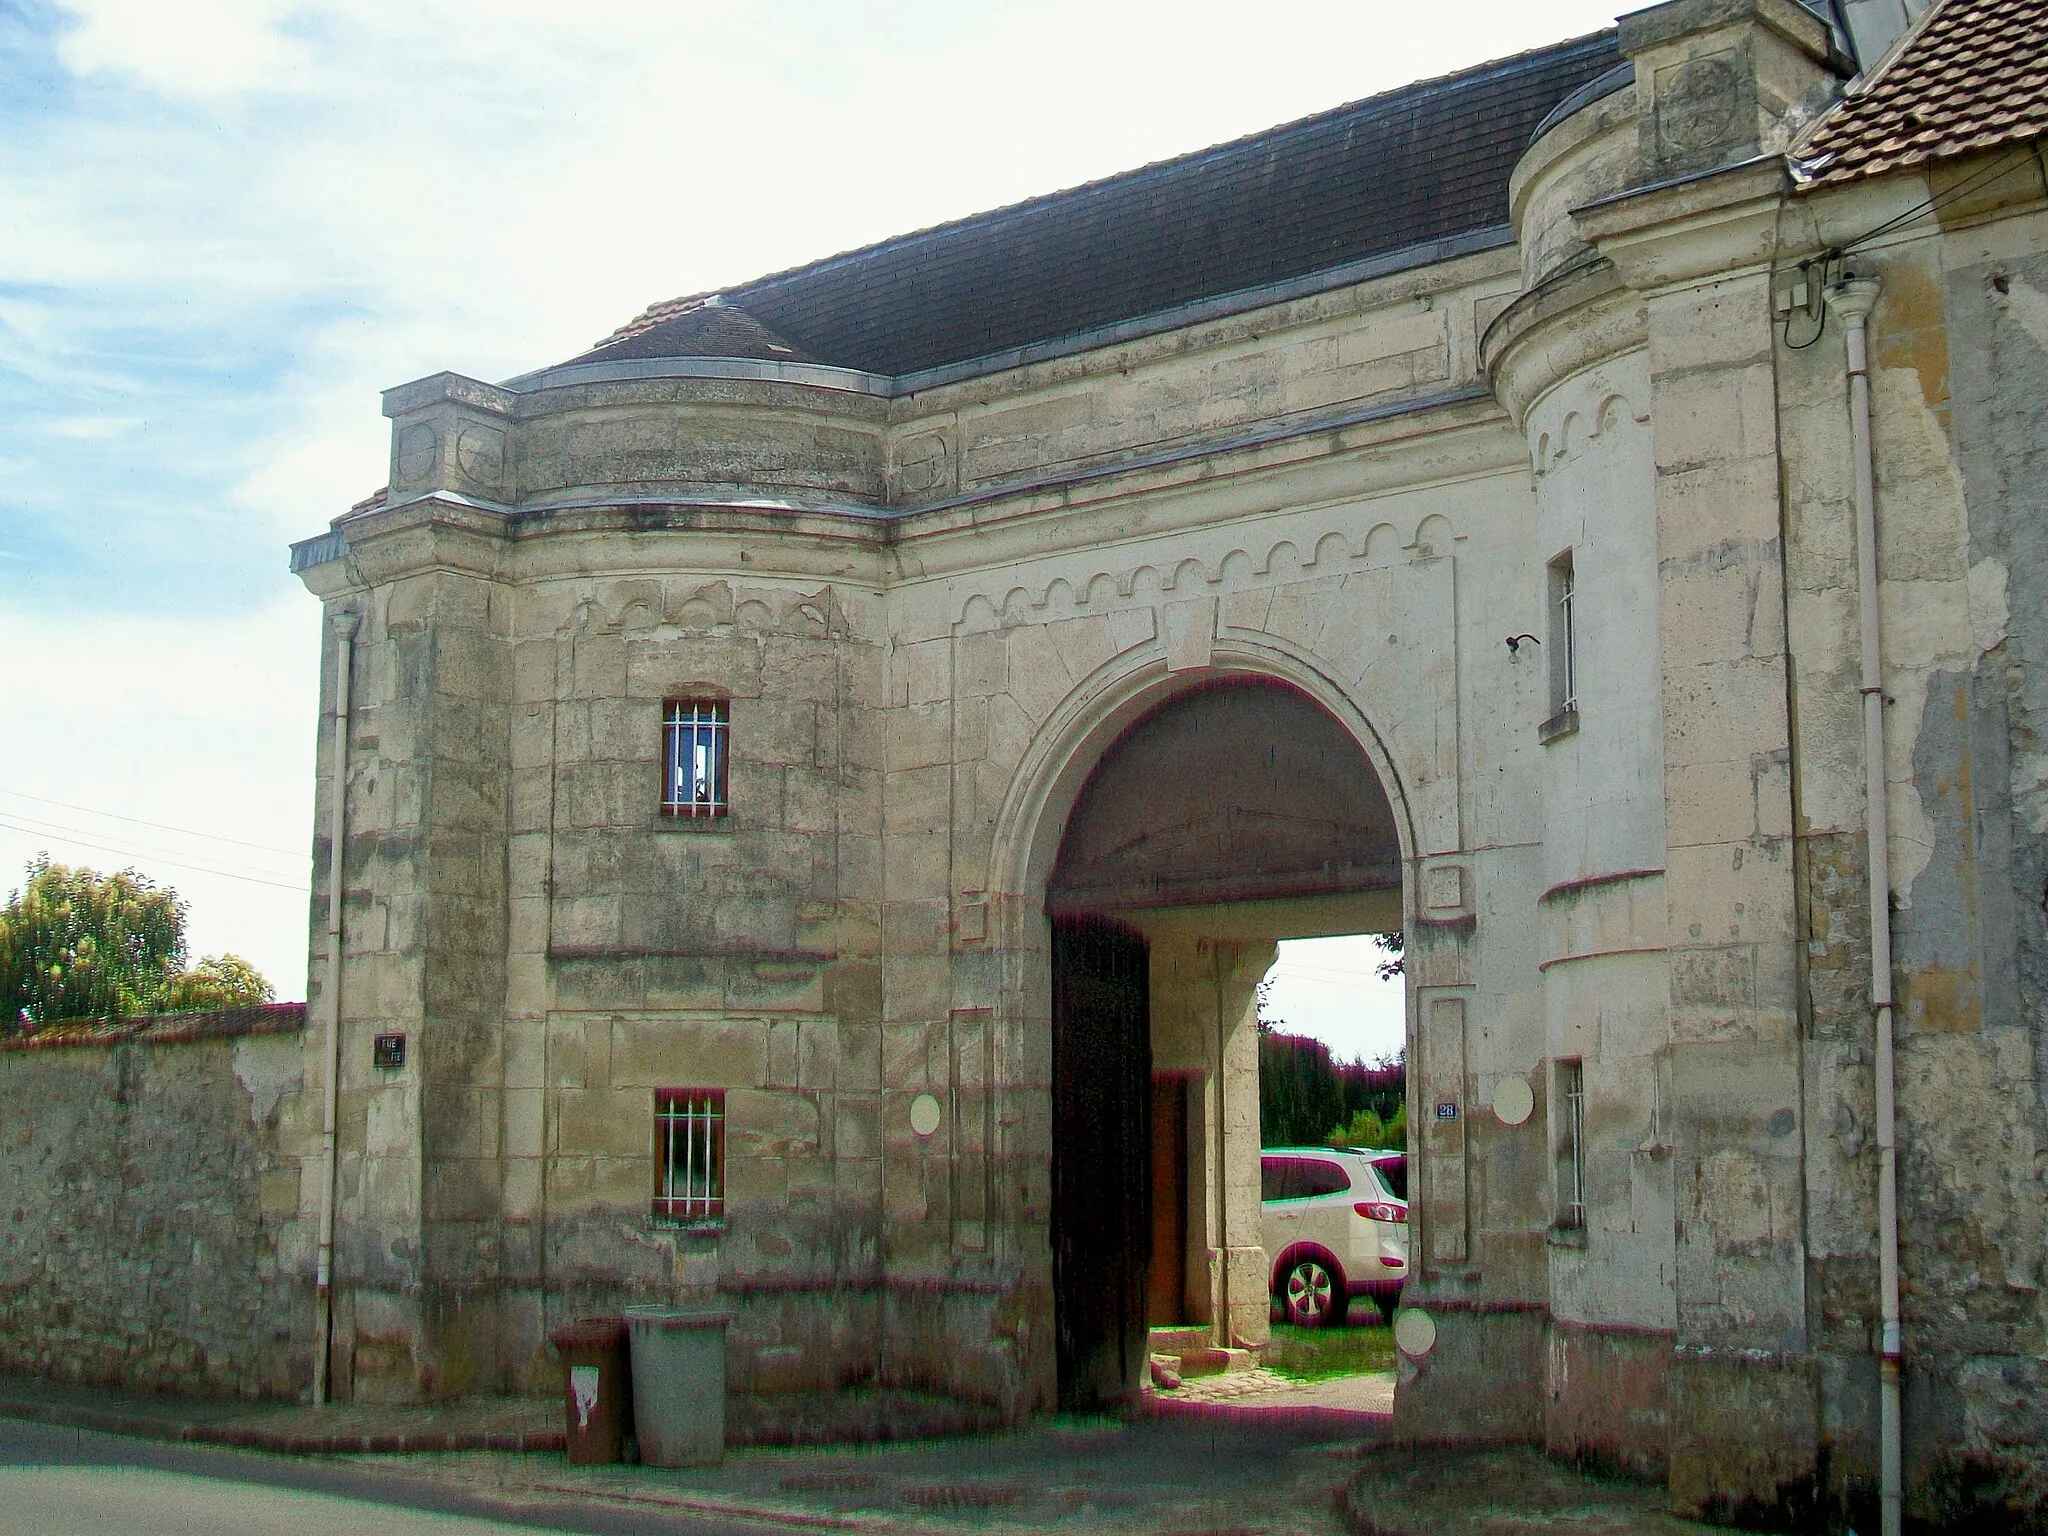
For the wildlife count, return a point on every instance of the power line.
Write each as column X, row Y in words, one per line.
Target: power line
column 197, row 869
column 157, row 826
column 134, row 845
column 1332, row 978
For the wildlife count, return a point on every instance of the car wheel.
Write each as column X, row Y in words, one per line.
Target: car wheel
column 1311, row 1294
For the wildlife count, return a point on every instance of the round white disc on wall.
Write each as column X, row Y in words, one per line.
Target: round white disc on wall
column 1415, row 1332
column 1513, row 1100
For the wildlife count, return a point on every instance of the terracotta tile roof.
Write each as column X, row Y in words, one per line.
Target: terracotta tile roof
column 1970, row 75
column 371, row 502
column 1418, row 164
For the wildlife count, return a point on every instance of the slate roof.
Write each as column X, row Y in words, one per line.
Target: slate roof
column 1970, row 75
column 1422, row 163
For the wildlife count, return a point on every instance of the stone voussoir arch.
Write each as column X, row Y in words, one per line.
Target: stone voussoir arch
column 1068, row 744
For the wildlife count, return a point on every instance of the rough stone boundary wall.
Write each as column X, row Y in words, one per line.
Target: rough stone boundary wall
column 149, row 1205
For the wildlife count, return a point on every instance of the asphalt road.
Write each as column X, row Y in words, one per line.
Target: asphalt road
column 54, row 1482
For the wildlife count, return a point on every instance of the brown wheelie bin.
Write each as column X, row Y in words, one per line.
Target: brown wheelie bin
column 597, row 1397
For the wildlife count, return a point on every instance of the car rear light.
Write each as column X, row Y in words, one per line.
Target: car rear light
column 1392, row 1263
column 1379, row 1210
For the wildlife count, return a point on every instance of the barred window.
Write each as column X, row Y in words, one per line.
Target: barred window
column 697, row 734
column 1571, row 1172
column 1564, row 636
column 689, row 1155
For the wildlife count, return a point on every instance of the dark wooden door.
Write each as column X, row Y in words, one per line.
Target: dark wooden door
column 1101, row 1159
column 1166, row 1304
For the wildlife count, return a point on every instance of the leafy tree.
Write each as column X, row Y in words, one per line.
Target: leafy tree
column 218, row 981
column 1395, row 946
column 1307, row 1097
column 76, row 944
column 1301, row 1093
column 1368, row 1130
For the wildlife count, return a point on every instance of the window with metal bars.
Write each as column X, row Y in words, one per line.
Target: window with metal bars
column 1571, row 1173
column 689, row 1155
column 1564, row 637
column 696, row 740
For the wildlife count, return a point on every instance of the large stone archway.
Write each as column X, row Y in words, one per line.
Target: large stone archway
column 1236, row 811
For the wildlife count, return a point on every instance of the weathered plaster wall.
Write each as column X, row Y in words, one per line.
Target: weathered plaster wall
column 150, row 1205
column 1972, row 947
column 1955, row 380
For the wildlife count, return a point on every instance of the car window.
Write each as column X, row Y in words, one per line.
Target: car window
column 1279, row 1179
column 1393, row 1172
column 1323, row 1178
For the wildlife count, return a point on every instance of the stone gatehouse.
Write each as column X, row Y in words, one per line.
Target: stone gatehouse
column 826, row 768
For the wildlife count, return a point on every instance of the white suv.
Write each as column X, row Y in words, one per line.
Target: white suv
column 1336, row 1228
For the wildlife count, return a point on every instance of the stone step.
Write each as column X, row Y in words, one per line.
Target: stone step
column 1179, row 1340
column 1215, row 1362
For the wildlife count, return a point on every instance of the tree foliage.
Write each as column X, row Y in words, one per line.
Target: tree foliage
column 1307, row 1098
column 76, row 944
column 218, row 981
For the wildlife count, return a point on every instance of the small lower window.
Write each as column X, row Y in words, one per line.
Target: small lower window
column 689, row 1155
column 696, row 736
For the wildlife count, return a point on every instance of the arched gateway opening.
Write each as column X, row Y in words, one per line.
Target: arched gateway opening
column 1235, row 814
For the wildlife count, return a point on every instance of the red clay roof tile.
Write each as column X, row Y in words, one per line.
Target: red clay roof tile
column 1970, row 75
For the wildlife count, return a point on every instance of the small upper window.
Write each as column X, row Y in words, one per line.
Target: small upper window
column 697, row 733
column 1564, row 637
column 689, row 1155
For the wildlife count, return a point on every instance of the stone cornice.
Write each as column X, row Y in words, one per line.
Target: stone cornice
column 1397, row 446
column 1706, row 227
column 1452, row 443
column 1581, row 317
column 428, row 533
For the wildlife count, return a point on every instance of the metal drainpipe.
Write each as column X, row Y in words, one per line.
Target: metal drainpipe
column 337, row 826
column 1853, row 299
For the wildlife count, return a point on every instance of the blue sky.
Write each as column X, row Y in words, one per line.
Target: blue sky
column 225, row 225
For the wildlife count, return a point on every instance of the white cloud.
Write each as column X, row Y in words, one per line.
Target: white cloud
column 192, row 47
column 91, row 427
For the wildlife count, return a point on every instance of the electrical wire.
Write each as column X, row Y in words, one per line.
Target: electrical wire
column 21, row 794
column 1941, row 200
column 1930, row 205
column 133, row 845
column 1326, row 978
column 174, row 863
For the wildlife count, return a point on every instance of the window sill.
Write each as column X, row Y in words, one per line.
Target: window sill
column 1561, row 1236
column 1558, row 726
column 687, row 1228
column 694, row 825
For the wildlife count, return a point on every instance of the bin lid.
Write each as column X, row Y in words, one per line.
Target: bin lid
column 589, row 1333
column 678, row 1317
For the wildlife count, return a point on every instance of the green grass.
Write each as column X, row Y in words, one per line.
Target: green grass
column 1316, row 1354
